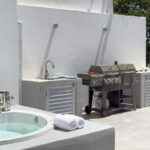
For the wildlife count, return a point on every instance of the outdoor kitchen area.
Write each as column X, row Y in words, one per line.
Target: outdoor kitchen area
column 74, row 75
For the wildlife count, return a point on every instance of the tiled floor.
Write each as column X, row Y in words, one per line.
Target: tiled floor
column 132, row 128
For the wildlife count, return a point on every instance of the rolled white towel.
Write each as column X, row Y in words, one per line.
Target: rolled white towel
column 79, row 120
column 65, row 122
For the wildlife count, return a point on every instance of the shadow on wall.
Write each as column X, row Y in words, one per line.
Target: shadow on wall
column 103, row 41
column 48, row 48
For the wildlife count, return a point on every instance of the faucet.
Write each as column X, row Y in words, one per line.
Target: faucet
column 46, row 70
column 5, row 101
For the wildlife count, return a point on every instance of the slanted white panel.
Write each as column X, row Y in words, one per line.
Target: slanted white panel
column 9, row 58
column 74, row 45
column 98, row 6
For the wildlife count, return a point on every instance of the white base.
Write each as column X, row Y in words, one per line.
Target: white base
column 93, row 136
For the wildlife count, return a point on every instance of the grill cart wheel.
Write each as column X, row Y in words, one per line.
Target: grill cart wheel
column 88, row 110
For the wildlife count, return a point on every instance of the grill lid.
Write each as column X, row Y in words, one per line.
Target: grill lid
column 126, row 68
column 105, row 69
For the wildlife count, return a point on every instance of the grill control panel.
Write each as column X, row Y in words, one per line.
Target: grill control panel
column 112, row 81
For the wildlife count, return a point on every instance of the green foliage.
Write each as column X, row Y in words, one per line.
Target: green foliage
column 136, row 8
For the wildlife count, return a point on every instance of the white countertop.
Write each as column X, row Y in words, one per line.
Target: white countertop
column 48, row 80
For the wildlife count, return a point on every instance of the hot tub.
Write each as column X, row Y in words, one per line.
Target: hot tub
column 17, row 126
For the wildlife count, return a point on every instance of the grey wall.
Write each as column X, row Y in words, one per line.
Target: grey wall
column 9, row 58
column 79, row 39
column 100, row 6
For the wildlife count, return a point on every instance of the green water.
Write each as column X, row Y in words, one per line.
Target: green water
column 14, row 129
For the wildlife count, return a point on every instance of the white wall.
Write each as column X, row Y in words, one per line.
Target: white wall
column 100, row 6
column 9, row 65
column 77, row 39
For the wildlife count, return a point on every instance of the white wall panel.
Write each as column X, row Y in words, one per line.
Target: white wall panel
column 77, row 39
column 9, row 58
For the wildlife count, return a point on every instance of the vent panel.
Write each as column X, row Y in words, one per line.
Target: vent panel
column 147, row 91
column 61, row 99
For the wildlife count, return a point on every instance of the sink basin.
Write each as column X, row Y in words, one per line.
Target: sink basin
column 60, row 77
column 55, row 77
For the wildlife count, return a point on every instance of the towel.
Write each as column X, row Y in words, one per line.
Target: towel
column 65, row 122
column 80, row 121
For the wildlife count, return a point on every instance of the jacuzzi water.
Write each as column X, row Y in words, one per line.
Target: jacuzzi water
column 14, row 129
column 17, row 126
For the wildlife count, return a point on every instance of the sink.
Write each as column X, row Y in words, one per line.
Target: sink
column 55, row 77
column 60, row 77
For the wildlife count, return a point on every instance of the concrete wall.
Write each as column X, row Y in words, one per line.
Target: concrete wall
column 99, row 6
column 80, row 39
column 9, row 58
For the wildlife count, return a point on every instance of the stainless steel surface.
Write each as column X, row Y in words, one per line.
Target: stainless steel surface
column 5, row 101
column 46, row 70
column 111, row 81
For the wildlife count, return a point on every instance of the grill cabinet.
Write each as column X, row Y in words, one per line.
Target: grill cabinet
column 111, row 81
column 143, row 89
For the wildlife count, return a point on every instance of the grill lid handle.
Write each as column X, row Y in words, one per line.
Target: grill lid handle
column 115, row 62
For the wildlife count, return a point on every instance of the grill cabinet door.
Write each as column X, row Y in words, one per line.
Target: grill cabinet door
column 60, row 99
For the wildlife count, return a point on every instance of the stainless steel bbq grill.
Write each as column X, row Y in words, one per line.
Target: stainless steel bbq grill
column 111, row 81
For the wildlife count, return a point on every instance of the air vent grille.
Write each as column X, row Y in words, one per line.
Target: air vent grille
column 147, row 91
column 61, row 99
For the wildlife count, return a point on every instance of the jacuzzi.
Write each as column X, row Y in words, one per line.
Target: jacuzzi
column 18, row 126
